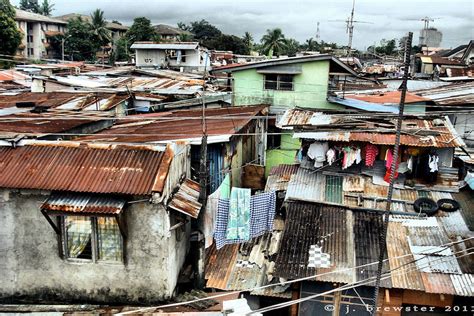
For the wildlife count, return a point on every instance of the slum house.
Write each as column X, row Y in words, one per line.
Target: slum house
column 183, row 56
column 426, row 154
column 313, row 236
column 287, row 82
column 93, row 223
column 235, row 137
column 457, row 101
column 427, row 260
column 436, row 67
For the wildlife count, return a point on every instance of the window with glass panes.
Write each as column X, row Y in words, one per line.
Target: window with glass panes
column 92, row 238
column 279, row 82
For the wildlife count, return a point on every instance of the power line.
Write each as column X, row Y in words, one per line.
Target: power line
column 286, row 282
column 367, row 281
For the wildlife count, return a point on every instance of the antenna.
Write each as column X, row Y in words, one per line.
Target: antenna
column 318, row 35
column 350, row 26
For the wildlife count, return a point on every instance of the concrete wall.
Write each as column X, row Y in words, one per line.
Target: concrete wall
column 156, row 58
column 310, row 88
column 32, row 269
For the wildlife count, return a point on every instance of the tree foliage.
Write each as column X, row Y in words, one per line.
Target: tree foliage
column 141, row 30
column 46, row 8
column 385, row 47
column 228, row 43
column 121, row 52
column 80, row 41
column 273, row 42
column 99, row 27
column 248, row 41
column 30, row 5
column 10, row 35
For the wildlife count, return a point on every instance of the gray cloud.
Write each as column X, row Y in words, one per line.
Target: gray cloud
column 297, row 18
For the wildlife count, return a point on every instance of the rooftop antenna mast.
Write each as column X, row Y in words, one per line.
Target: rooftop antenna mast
column 350, row 27
column 318, row 35
column 427, row 21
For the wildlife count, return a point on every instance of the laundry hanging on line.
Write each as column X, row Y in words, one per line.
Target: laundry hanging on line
column 262, row 213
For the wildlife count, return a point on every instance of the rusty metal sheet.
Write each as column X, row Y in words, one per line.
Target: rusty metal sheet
column 306, row 186
column 83, row 203
column 404, row 275
column 390, row 97
column 179, row 125
column 219, row 265
column 439, row 283
column 186, row 200
column 82, row 168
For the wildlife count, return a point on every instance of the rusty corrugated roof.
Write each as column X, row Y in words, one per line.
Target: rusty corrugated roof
column 218, row 263
column 84, row 203
column 279, row 177
column 186, row 199
column 179, row 125
column 390, row 97
column 428, row 132
column 81, row 168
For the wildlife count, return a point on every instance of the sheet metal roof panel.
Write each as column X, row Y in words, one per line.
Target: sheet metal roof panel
column 463, row 284
column 186, row 199
column 315, row 224
column 217, row 265
column 80, row 169
column 362, row 105
column 404, row 275
column 391, row 97
column 439, row 283
column 84, row 203
column 306, row 186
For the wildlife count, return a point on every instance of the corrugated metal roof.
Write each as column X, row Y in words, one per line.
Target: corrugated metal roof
column 453, row 94
column 362, row 105
column 186, row 199
column 30, row 16
column 84, row 203
column 83, row 168
column 433, row 132
column 180, row 125
column 390, row 97
column 279, row 177
column 11, row 75
column 315, row 224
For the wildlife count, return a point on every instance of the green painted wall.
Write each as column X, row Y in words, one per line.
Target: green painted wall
column 310, row 88
column 285, row 155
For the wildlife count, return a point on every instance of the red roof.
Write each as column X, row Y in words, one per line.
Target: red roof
column 76, row 167
column 392, row 97
column 10, row 75
column 176, row 125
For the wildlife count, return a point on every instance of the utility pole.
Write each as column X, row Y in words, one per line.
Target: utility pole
column 393, row 167
column 318, row 35
column 203, row 174
column 62, row 48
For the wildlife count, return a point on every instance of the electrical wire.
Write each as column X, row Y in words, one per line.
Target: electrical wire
column 354, row 285
column 285, row 282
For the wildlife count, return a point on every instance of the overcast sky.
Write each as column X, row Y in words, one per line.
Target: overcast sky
column 297, row 18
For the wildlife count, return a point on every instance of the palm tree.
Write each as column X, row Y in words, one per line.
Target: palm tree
column 311, row 44
column 46, row 8
column 248, row 40
column 273, row 42
column 99, row 28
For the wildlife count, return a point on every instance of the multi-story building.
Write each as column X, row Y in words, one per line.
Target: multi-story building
column 430, row 37
column 37, row 31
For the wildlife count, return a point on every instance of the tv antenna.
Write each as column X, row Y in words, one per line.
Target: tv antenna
column 318, row 35
column 350, row 25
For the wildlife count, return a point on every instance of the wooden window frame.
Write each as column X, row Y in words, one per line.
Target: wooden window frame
column 278, row 82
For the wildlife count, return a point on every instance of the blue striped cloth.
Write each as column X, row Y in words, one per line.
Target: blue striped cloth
column 262, row 213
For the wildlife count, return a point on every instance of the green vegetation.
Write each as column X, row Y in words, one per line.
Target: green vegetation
column 10, row 35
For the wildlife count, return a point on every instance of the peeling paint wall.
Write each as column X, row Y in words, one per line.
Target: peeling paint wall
column 32, row 270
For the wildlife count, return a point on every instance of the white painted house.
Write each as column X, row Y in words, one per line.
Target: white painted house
column 185, row 56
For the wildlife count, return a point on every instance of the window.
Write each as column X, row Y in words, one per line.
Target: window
column 92, row 238
column 30, row 52
column 279, row 82
column 30, row 38
column 333, row 189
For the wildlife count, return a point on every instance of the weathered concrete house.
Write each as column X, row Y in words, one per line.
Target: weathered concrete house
column 90, row 222
column 188, row 56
